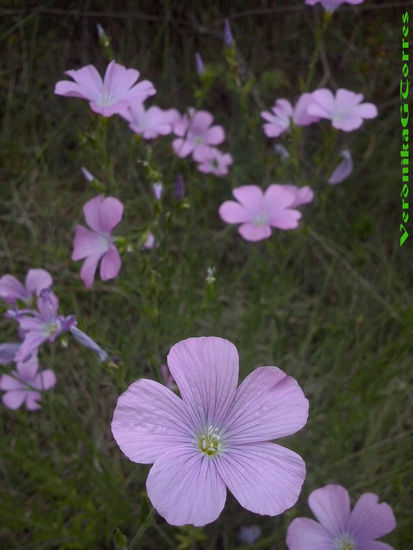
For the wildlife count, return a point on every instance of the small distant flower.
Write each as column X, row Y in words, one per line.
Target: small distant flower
column 102, row 215
column 228, row 38
column 150, row 123
column 100, row 30
column 197, row 135
column 86, row 174
column 258, row 211
column 88, row 342
column 281, row 150
column 200, row 67
column 24, row 384
column 282, row 113
column 345, row 109
column 343, row 170
column 36, row 280
column 36, row 327
column 248, row 535
column 110, row 95
column 216, row 436
column 157, row 189
column 150, row 241
column 331, row 5
column 338, row 527
column 213, row 161
column 179, row 187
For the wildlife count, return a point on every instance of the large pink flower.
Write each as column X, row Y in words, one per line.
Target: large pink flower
column 196, row 135
column 101, row 215
column 36, row 280
column 338, row 528
column 216, row 436
column 283, row 113
column 110, row 95
column 258, row 211
column 345, row 109
column 331, row 5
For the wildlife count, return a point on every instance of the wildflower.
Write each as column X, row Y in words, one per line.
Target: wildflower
column 213, row 161
column 151, row 123
column 150, row 241
column 345, row 109
column 200, row 67
column 331, row 5
column 36, row 280
column 214, row 436
column 38, row 326
column 228, row 38
column 101, row 215
column 196, row 135
column 110, row 95
column 343, row 170
column 338, row 527
column 25, row 384
column 282, row 113
column 86, row 174
column 258, row 211
column 157, row 189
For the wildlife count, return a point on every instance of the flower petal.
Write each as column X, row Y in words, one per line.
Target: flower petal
column 206, row 372
column 233, row 212
column 331, row 506
column 44, row 380
column 286, row 219
column 111, row 264
column 369, row 519
column 268, row 405
column 250, row 196
column 251, row 232
column 8, row 352
column 32, row 399
column 265, row 478
column 32, row 341
column 14, row 399
column 111, row 211
column 306, row 533
column 88, row 84
column 343, row 170
column 150, row 420
column 11, row 289
column 87, row 273
column 8, row 382
column 182, row 147
column 185, row 488
column 91, row 211
column 37, row 280
column 88, row 243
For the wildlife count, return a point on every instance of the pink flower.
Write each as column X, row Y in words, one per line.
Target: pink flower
column 25, row 383
column 283, row 111
column 150, row 241
column 258, row 211
column 331, row 5
column 196, row 135
column 101, row 215
column 151, row 123
column 36, row 280
column 215, row 436
column 157, row 189
column 338, row 528
column 345, row 109
column 110, row 95
column 343, row 170
column 213, row 161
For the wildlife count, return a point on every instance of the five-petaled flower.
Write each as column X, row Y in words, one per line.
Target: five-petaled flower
column 257, row 211
column 283, row 113
column 339, row 528
column 215, row 436
column 110, row 95
column 97, row 243
column 36, row 280
column 196, row 135
column 152, row 122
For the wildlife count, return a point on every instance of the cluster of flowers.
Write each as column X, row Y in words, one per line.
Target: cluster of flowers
column 36, row 326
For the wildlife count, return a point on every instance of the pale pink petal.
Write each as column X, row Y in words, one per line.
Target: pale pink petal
column 265, row 478
column 233, row 212
column 111, row 211
column 27, row 369
column 251, row 232
column 376, row 545
column 118, row 79
column 322, row 104
column 150, row 420
column 277, row 197
column 37, row 280
column 306, row 534
column 343, row 170
column 32, row 399
column 273, row 130
column 302, row 195
column 44, row 380
column 91, row 211
column 32, row 341
column 250, row 196
column 182, row 147
column 111, row 264
column 14, row 399
column 206, row 372
column 87, row 273
column 331, row 506
column 301, row 116
column 8, row 352
column 285, row 219
column 366, row 110
column 371, row 520
column 88, row 84
column 268, row 405
column 48, row 305
column 200, row 121
column 201, row 153
column 215, row 135
column 184, row 487
column 11, row 289
column 88, row 243
column 10, row 383
column 347, row 124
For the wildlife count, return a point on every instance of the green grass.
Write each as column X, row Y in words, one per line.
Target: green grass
column 330, row 303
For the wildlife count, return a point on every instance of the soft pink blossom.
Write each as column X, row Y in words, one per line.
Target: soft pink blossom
column 343, row 170
column 36, row 280
column 150, row 241
column 152, row 122
column 214, row 161
column 283, row 113
column 196, row 135
column 216, row 436
column 257, row 211
column 344, row 109
column 95, row 244
column 24, row 384
column 157, row 189
column 339, row 528
column 110, row 95
column 331, row 5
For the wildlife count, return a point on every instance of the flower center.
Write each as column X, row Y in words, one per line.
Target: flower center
column 51, row 328
column 260, row 220
column 105, row 99
column 210, row 442
column 344, row 542
column 198, row 141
